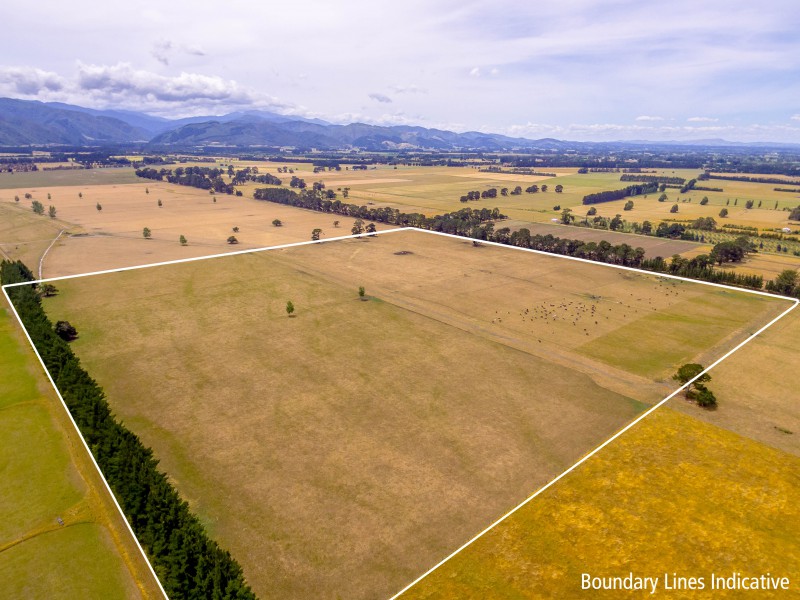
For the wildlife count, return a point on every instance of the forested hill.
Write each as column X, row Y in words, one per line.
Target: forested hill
column 24, row 122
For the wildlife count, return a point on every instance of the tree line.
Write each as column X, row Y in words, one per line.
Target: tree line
column 706, row 176
column 461, row 222
column 611, row 195
column 205, row 178
column 188, row 563
column 652, row 179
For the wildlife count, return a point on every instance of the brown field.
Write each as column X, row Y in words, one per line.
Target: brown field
column 464, row 384
column 673, row 495
column 112, row 237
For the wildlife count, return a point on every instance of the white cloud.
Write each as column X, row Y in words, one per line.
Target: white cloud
column 29, row 81
column 702, row 120
column 408, row 89
column 475, row 72
column 380, row 98
column 795, row 117
column 649, row 118
column 161, row 51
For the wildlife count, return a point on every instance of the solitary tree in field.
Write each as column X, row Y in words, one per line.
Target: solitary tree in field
column 99, row 207
column 688, row 372
column 336, row 224
column 362, row 292
column 37, row 207
column 232, row 240
column 48, row 195
column 277, row 223
column 52, row 212
column 183, row 240
column 160, row 204
column 662, row 198
column 628, row 205
column 65, row 331
column 723, row 213
column 358, row 227
column 704, row 201
column 80, row 194
column 16, row 199
column 559, row 188
column 289, row 308
column 146, row 233
column 674, row 208
column 544, row 187
column 315, row 233
column 235, row 230
column 146, row 190
column 592, row 211
column 28, row 196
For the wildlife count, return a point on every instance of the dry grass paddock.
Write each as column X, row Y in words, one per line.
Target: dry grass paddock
column 345, row 450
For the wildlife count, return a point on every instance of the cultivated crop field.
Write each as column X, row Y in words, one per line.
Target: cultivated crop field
column 343, row 451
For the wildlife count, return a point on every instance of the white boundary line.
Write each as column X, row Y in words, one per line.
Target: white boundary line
column 41, row 260
column 85, row 445
column 653, row 408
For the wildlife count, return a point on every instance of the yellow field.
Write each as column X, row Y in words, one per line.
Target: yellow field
column 673, row 495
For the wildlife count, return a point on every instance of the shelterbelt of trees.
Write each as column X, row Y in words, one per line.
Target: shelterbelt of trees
column 611, row 195
column 461, row 222
column 188, row 563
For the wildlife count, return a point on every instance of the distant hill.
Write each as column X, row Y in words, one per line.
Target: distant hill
column 26, row 122
column 31, row 122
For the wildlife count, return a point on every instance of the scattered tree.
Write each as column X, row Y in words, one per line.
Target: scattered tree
column 160, row 204
column 48, row 196
column 146, row 190
column 99, row 207
column 235, row 230
column 277, row 223
column 628, row 205
column 358, row 227
column 232, row 240
column 544, row 187
column 37, row 207
column 674, row 208
column 80, row 194
column 557, row 207
column 559, row 188
column 46, row 290
column 289, row 308
column 688, row 372
column 336, row 224
column 591, row 212
column 362, row 292
column 52, row 212
column 315, row 234
column 704, row 201
column 370, row 229
column 16, row 198
column 65, row 331
column 28, row 196
column 662, row 198
column 723, row 213
column 182, row 240
column 146, row 233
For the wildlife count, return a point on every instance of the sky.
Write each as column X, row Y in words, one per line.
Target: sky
column 572, row 69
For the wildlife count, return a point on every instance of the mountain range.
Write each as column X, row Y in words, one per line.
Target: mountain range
column 30, row 122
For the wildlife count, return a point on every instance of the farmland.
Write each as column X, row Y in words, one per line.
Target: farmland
column 112, row 237
column 656, row 501
column 59, row 531
column 300, row 460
